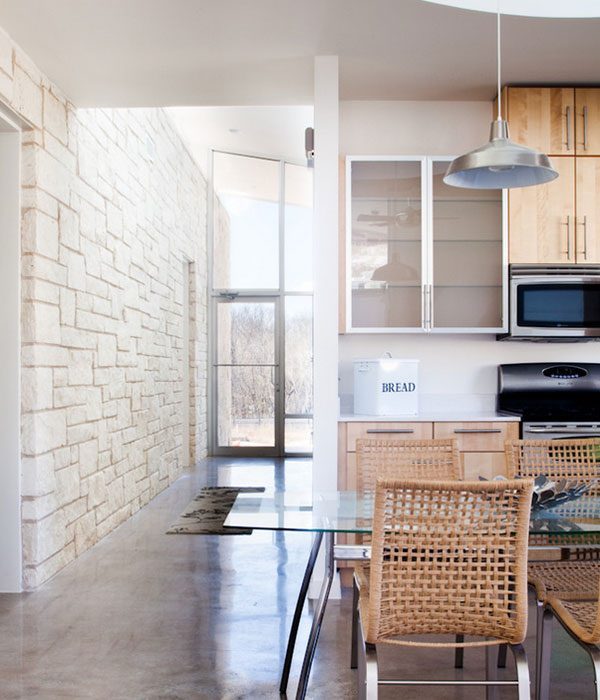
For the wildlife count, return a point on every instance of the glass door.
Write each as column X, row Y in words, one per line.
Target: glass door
column 247, row 375
column 468, row 256
column 385, row 243
column 261, row 307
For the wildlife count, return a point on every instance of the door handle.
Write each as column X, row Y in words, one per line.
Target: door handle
column 430, row 287
column 585, row 128
column 428, row 306
column 464, row 431
column 379, row 431
column 567, row 223
column 568, row 118
column 583, row 224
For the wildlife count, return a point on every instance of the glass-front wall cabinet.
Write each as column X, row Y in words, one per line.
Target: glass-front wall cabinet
column 386, row 243
column 421, row 256
column 467, row 255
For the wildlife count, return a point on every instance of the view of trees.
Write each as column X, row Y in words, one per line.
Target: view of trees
column 251, row 335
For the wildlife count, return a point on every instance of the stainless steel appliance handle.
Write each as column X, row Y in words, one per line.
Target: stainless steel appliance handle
column 477, row 430
column 378, row 431
column 568, row 118
column 567, row 223
column 585, row 128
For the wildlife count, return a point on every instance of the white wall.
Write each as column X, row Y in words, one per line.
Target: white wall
column 413, row 128
column 450, row 364
column 457, row 364
column 10, row 445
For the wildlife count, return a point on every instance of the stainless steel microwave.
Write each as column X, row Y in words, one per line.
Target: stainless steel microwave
column 555, row 302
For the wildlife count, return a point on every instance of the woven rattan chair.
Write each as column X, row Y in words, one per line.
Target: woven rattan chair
column 400, row 459
column 412, row 459
column 448, row 558
column 558, row 459
column 579, row 614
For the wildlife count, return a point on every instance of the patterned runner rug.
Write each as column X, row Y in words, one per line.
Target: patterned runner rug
column 206, row 514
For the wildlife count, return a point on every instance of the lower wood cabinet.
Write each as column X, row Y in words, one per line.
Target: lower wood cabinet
column 481, row 444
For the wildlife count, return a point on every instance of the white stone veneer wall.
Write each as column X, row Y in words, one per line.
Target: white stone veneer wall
column 112, row 206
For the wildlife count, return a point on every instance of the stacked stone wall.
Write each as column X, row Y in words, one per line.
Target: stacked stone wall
column 112, row 206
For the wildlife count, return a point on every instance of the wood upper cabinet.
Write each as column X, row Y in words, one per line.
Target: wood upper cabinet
column 557, row 121
column 542, row 118
column 588, row 210
column 587, row 121
column 558, row 222
column 542, row 219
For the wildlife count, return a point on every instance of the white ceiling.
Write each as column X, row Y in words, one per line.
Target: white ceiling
column 530, row 8
column 236, row 52
column 274, row 131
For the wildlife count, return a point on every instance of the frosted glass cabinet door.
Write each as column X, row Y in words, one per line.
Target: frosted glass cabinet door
column 385, row 243
column 467, row 255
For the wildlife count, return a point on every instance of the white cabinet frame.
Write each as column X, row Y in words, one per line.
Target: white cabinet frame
column 427, row 245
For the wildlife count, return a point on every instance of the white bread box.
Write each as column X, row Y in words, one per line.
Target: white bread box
column 386, row 387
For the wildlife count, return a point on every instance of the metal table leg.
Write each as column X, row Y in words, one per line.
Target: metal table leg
column 289, row 652
column 318, row 617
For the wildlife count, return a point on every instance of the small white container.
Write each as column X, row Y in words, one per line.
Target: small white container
column 386, row 387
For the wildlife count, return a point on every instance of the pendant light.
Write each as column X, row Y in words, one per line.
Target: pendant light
column 501, row 163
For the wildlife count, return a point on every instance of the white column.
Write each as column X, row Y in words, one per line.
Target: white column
column 10, row 360
column 326, row 169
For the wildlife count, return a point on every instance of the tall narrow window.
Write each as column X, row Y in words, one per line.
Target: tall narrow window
column 261, row 306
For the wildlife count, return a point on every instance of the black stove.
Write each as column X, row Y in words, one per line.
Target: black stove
column 553, row 400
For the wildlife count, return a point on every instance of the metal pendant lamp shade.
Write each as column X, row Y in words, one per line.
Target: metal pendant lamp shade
column 501, row 163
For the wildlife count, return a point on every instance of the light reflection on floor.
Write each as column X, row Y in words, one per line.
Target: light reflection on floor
column 144, row 616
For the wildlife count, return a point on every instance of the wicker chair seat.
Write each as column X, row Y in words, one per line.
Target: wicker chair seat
column 580, row 616
column 564, row 579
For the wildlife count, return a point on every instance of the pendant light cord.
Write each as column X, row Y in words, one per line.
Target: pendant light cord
column 499, row 59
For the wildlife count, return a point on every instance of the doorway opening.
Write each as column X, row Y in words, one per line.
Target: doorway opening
column 10, row 374
column 260, row 306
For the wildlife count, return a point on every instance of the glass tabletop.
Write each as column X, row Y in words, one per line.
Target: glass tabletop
column 350, row 512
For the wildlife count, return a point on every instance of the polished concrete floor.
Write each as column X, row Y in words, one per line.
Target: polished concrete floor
column 145, row 615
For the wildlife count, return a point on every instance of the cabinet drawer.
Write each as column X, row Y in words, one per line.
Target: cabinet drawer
column 388, row 431
column 486, row 464
column 477, row 437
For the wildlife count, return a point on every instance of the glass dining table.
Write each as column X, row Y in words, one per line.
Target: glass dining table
column 571, row 524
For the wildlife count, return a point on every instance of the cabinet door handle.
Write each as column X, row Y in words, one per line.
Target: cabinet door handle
column 379, row 431
column 583, row 224
column 463, row 431
column 567, row 223
column 427, row 306
column 585, row 128
column 568, row 118
column 430, row 287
